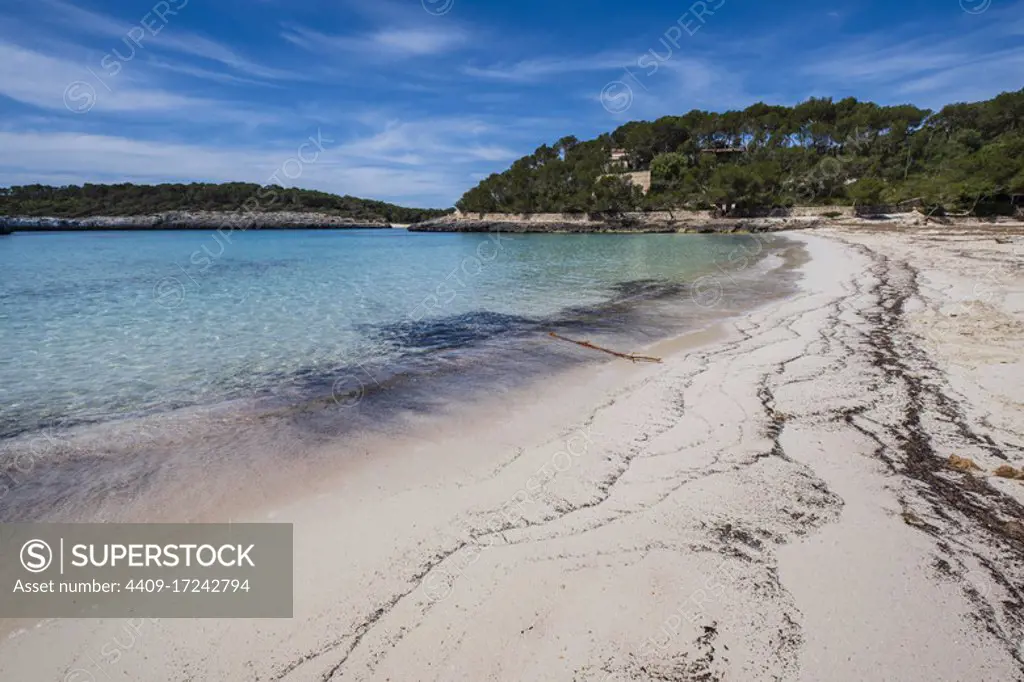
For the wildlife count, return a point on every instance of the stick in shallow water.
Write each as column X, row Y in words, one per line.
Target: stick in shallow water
column 586, row 344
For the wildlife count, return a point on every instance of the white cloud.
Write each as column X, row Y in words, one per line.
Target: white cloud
column 678, row 85
column 972, row 81
column 431, row 143
column 207, row 74
column 87, row 21
column 168, row 37
column 541, row 68
column 418, row 41
column 37, row 79
column 974, row 63
column 389, row 42
column 422, row 162
column 874, row 61
column 71, row 157
column 199, row 46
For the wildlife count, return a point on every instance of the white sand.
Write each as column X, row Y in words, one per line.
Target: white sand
column 767, row 505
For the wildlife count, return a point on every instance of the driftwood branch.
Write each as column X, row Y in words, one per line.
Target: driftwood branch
column 632, row 357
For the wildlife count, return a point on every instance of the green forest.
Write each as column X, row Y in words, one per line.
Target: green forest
column 127, row 199
column 964, row 158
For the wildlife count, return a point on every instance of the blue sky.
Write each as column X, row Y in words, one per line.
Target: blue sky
column 413, row 101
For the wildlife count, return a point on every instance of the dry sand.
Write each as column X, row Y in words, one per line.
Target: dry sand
column 771, row 503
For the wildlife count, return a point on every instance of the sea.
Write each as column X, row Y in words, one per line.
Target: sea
column 130, row 353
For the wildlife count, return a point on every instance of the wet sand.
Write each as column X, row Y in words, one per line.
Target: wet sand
column 771, row 502
column 207, row 462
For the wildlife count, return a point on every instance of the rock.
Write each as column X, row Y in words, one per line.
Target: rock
column 191, row 220
column 1015, row 529
column 1007, row 471
column 912, row 519
column 962, row 464
column 629, row 222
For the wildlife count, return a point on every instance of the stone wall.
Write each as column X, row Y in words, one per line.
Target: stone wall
column 796, row 212
column 641, row 179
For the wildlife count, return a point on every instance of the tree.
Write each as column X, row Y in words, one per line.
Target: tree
column 71, row 201
column 735, row 187
column 804, row 154
column 668, row 171
column 866, row 192
column 615, row 194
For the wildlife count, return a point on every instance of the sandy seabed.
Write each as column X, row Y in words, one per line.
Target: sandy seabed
column 773, row 502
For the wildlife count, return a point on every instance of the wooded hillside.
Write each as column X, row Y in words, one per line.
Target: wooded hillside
column 127, row 199
column 964, row 157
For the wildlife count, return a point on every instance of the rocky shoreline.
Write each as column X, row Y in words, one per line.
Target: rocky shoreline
column 686, row 222
column 697, row 222
column 692, row 222
column 618, row 224
column 190, row 220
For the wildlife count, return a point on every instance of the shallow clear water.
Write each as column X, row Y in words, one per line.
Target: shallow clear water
column 102, row 325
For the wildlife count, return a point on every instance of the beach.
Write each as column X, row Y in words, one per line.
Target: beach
column 772, row 501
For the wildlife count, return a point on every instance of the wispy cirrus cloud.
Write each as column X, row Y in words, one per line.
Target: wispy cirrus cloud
column 432, row 141
column 542, row 68
column 944, row 66
column 877, row 60
column 74, row 158
column 426, row 161
column 167, row 37
column 680, row 84
column 208, row 74
column 970, row 81
column 34, row 78
column 395, row 41
column 200, row 46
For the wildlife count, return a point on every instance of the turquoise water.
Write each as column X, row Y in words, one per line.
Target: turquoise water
column 103, row 325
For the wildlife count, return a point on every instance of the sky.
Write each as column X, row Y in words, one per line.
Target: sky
column 415, row 101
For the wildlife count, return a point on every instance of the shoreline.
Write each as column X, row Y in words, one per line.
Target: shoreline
column 189, row 220
column 650, row 222
column 690, row 222
column 365, row 397
column 769, row 503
